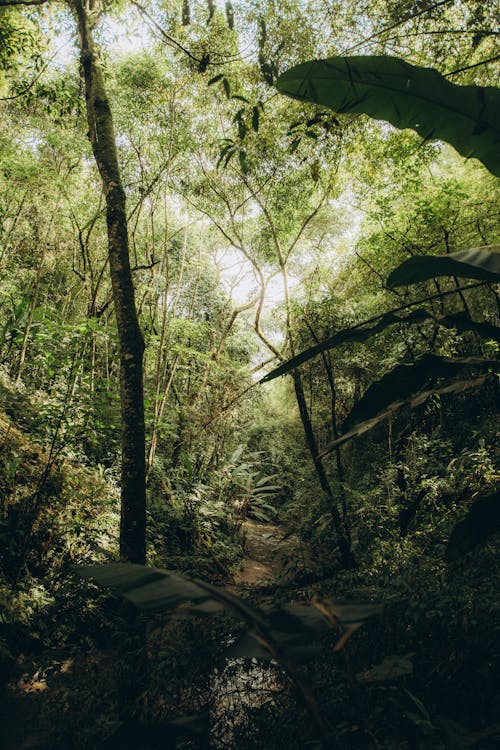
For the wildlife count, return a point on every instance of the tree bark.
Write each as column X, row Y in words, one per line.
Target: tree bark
column 342, row 533
column 102, row 137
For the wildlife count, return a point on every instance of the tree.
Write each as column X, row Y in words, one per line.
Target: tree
column 103, row 142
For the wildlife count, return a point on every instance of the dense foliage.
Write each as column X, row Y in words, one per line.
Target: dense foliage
column 318, row 300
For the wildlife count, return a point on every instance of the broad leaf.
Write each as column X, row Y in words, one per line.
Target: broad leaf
column 479, row 263
column 463, row 322
column 289, row 633
column 407, row 96
column 482, row 520
column 362, row 332
column 410, row 385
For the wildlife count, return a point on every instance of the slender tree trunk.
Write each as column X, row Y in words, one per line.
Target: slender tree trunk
column 102, row 137
column 343, row 540
column 31, row 312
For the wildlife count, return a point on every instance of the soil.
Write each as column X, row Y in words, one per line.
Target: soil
column 270, row 550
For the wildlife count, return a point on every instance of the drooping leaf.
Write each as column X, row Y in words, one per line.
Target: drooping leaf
column 290, row 630
column 255, row 119
column 362, row 332
column 463, row 322
column 242, row 156
column 297, row 628
column 345, row 618
column 240, row 98
column 215, row 79
column 349, row 613
column 405, row 381
column 356, row 333
column 481, row 263
column 407, row 96
column 411, row 385
column 149, row 589
column 481, row 522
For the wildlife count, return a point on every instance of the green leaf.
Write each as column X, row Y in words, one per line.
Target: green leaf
column 356, row 333
column 228, row 151
column 410, row 385
column 255, row 119
column 229, row 156
column 242, row 128
column 243, row 161
column 481, row 263
column 461, row 321
column 289, row 631
column 215, row 79
column 407, row 96
column 404, row 382
column 482, row 520
column 361, row 332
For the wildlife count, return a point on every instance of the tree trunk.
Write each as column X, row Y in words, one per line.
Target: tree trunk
column 342, row 533
column 31, row 312
column 102, row 137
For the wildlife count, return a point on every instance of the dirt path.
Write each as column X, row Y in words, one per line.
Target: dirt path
column 268, row 552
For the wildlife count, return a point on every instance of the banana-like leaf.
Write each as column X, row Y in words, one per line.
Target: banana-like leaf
column 362, row 332
column 356, row 333
column 289, row 632
column 482, row 520
column 478, row 263
column 463, row 322
column 411, row 385
column 407, row 96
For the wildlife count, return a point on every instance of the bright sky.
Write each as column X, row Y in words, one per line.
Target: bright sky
column 120, row 36
column 131, row 33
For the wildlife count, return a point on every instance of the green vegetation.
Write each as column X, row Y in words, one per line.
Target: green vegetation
column 249, row 468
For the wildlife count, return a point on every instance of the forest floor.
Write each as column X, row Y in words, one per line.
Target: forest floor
column 270, row 548
column 41, row 681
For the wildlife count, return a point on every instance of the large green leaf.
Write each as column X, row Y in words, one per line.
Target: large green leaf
column 362, row 332
column 407, row 96
column 288, row 632
column 411, row 385
column 479, row 263
column 482, row 520
column 461, row 321
column 356, row 333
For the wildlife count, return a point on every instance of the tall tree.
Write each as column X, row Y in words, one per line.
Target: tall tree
column 103, row 141
column 102, row 138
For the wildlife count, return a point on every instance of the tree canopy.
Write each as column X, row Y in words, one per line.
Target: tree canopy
column 249, row 329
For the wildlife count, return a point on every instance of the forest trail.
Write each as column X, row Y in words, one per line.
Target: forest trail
column 269, row 547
